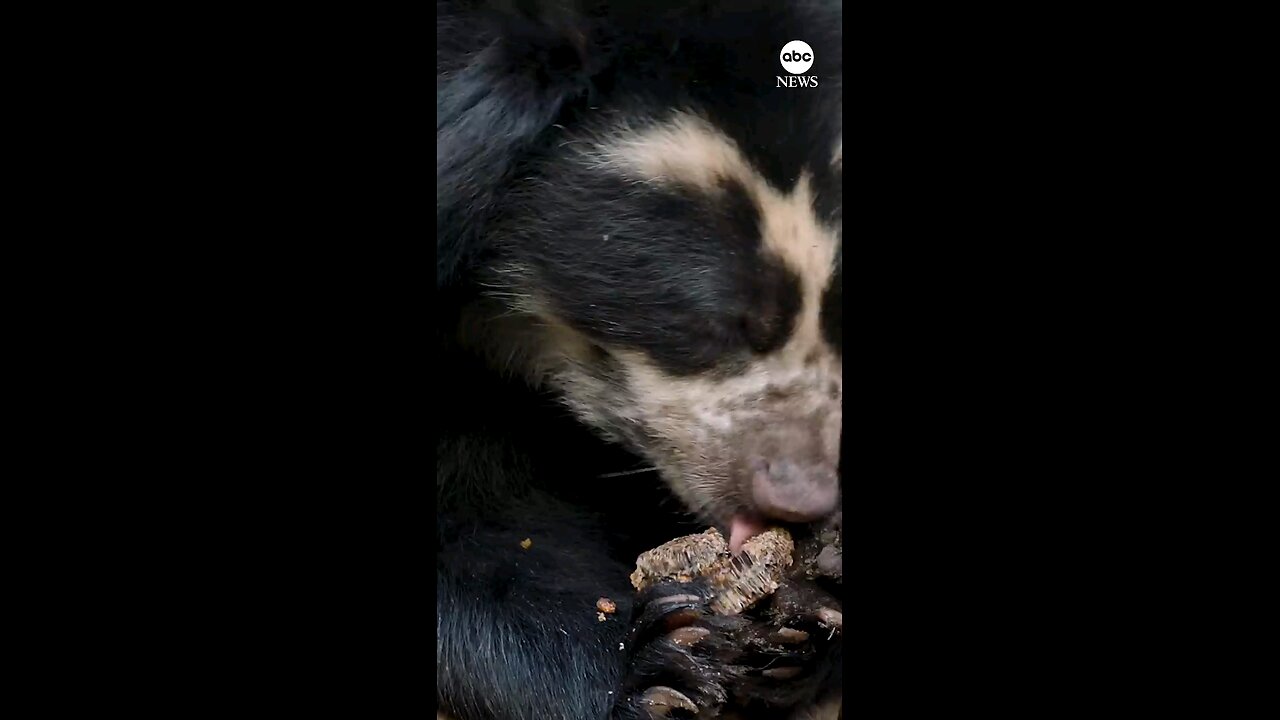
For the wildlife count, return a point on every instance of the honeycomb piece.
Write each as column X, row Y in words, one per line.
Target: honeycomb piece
column 738, row 582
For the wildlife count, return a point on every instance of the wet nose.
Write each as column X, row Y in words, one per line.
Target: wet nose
column 794, row 492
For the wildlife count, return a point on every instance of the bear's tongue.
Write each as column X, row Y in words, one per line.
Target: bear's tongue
column 742, row 528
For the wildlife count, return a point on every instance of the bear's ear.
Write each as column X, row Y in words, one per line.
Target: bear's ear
column 504, row 71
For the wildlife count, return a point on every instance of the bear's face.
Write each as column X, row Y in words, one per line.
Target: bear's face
column 686, row 304
column 663, row 248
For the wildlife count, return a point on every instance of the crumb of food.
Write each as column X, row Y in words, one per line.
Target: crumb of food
column 601, row 617
column 526, row 543
column 738, row 582
column 606, row 606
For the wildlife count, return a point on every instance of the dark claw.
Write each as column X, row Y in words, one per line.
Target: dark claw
column 789, row 636
column 783, row 673
column 679, row 610
column 673, row 600
column 688, row 636
column 662, row 613
column 681, row 618
column 830, row 618
column 661, row 700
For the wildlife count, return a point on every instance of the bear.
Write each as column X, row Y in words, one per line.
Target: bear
column 639, row 335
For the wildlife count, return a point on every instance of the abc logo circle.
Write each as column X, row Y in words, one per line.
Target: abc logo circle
column 796, row 57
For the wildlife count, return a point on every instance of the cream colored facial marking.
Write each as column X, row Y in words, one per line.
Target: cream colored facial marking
column 688, row 150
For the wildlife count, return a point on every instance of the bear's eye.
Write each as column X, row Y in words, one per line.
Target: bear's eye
column 772, row 301
column 762, row 330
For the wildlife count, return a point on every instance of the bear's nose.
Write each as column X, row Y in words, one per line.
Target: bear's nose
column 791, row 491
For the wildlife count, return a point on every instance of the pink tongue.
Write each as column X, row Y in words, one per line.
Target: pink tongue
column 741, row 529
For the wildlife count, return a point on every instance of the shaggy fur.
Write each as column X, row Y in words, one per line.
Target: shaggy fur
column 639, row 274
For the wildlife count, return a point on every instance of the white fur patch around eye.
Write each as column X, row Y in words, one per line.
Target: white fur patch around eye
column 690, row 151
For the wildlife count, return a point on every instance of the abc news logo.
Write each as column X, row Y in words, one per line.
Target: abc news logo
column 797, row 58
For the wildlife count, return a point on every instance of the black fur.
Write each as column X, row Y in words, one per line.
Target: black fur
column 675, row 275
column 609, row 266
